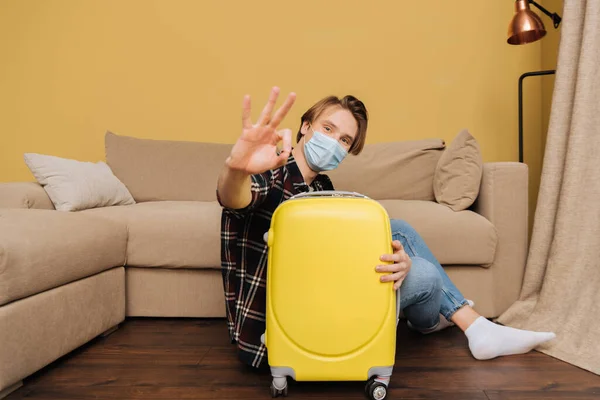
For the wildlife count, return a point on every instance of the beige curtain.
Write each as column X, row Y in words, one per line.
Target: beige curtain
column 561, row 290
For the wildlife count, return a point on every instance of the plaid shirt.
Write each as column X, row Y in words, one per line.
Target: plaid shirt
column 244, row 255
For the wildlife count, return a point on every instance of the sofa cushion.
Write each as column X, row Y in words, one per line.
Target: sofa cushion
column 458, row 173
column 43, row 249
column 454, row 237
column 396, row 170
column 166, row 170
column 77, row 185
column 170, row 234
column 24, row 195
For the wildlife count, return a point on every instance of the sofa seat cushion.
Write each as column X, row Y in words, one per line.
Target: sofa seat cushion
column 44, row 249
column 170, row 234
column 454, row 237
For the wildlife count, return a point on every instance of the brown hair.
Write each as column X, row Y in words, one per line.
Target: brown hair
column 350, row 103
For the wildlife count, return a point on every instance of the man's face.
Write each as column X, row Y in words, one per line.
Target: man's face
column 335, row 122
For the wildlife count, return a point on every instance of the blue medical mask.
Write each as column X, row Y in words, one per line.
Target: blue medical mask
column 323, row 153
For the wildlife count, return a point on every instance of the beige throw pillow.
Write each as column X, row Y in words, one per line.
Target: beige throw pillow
column 75, row 185
column 458, row 173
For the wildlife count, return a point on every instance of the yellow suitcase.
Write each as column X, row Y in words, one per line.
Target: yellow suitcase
column 329, row 317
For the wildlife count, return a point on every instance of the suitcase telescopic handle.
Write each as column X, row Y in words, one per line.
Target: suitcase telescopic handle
column 329, row 193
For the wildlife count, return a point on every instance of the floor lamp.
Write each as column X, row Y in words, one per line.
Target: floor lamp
column 527, row 27
column 525, row 75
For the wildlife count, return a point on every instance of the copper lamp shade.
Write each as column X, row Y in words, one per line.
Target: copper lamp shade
column 526, row 26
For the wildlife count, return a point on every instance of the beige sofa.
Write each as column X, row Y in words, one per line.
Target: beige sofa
column 66, row 277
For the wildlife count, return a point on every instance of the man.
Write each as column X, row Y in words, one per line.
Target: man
column 257, row 178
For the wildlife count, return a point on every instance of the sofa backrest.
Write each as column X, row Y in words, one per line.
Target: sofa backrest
column 396, row 170
column 166, row 170
column 178, row 170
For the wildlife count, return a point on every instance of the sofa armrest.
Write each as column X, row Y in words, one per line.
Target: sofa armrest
column 503, row 200
column 24, row 195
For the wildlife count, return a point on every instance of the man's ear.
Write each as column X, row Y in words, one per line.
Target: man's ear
column 305, row 127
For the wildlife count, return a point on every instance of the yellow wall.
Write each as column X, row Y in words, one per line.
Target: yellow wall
column 70, row 70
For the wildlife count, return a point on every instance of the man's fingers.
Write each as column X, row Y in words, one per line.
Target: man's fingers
column 396, row 245
column 392, row 267
column 398, row 283
column 246, row 113
column 286, row 136
column 396, row 257
column 393, row 277
column 283, row 110
column 265, row 116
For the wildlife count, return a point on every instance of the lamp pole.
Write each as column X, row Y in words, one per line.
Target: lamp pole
column 521, row 78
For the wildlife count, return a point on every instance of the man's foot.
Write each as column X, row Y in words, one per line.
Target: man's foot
column 488, row 340
column 444, row 323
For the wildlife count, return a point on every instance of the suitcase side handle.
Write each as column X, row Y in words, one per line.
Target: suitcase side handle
column 329, row 193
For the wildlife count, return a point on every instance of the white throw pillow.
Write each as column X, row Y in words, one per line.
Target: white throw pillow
column 76, row 185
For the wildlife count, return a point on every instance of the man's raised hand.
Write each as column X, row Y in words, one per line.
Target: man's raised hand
column 256, row 149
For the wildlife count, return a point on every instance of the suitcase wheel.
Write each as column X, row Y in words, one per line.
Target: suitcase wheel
column 279, row 392
column 375, row 390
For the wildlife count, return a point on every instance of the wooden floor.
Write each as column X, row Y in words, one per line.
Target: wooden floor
column 192, row 359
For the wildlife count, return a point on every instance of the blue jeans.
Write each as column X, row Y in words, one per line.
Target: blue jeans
column 427, row 290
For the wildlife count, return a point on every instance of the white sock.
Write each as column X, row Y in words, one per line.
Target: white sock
column 444, row 323
column 488, row 340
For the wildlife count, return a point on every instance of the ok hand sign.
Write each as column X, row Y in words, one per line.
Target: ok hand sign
column 256, row 149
